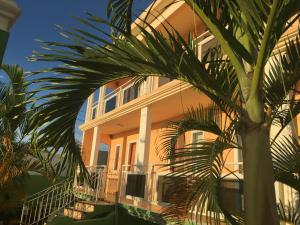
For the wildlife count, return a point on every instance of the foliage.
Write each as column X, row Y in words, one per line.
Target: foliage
column 18, row 151
column 234, row 75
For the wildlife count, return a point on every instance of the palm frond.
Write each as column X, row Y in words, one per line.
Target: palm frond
column 283, row 74
column 289, row 213
column 197, row 167
column 120, row 13
column 286, row 161
column 91, row 61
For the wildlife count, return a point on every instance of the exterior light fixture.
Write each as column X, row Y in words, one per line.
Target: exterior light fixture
column 9, row 12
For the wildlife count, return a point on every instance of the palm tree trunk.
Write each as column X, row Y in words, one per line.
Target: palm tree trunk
column 259, row 191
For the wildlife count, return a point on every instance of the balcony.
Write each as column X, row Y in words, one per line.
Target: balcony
column 119, row 93
column 112, row 98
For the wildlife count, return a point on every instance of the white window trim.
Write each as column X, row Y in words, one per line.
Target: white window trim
column 195, row 132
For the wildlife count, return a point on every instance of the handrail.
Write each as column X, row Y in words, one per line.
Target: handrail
column 45, row 190
column 38, row 207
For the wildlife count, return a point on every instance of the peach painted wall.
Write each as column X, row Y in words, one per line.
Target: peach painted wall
column 87, row 146
column 123, row 139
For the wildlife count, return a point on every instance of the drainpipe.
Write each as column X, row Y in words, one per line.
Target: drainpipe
column 9, row 12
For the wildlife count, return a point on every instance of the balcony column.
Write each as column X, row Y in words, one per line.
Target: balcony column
column 89, row 108
column 144, row 137
column 95, row 146
column 9, row 11
column 101, row 101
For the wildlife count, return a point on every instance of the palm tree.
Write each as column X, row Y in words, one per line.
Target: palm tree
column 234, row 76
column 18, row 151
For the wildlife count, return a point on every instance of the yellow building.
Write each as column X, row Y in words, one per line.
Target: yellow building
column 123, row 123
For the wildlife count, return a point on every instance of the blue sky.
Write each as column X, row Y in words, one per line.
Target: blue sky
column 38, row 20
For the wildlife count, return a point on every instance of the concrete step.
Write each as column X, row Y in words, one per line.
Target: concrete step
column 84, row 206
column 74, row 213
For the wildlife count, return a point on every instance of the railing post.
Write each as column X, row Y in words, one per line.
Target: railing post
column 40, row 210
column 116, row 208
column 22, row 214
column 151, row 185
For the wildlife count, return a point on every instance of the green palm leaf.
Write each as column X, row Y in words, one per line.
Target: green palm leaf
column 94, row 66
column 199, row 165
column 286, row 161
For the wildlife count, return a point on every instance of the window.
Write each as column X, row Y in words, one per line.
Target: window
column 103, row 154
column 239, row 154
column 205, row 45
column 108, row 90
column 136, row 185
column 197, row 137
column 94, row 112
column 110, row 104
column 166, row 185
column 96, row 96
column 163, row 80
column 117, row 152
column 130, row 94
column 131, row 155
column 232, row 197
column 173, row 158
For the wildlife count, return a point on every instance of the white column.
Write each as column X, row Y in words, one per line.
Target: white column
column 9, row 12
column 101, row 101
column 88, row 108
column 144, row 137
column 95, row 146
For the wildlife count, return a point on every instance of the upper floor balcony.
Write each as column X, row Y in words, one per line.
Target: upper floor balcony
column 113, row 95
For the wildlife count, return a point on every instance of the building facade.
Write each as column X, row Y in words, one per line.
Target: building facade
column 123, row 124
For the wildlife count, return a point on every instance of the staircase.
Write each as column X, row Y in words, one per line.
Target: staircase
column 72, row 197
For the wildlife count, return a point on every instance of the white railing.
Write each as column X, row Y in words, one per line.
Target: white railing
column 117, row 97
column 39, row 207
column 92, row 189
column 153, row 175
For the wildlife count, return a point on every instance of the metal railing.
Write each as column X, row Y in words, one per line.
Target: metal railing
column 38, row 208
column 92, row 189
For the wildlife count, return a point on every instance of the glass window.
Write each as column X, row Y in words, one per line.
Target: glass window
column 197, row 137
column 131, row 156
column 94, row 113
column 96, row 96
column 136, row 185
column 103, row 154
column 108, row 90
column 166, row 185
column 163, row 80
column 117, row 152
column 232, row 197
column 130, row 94
column 110, row 104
